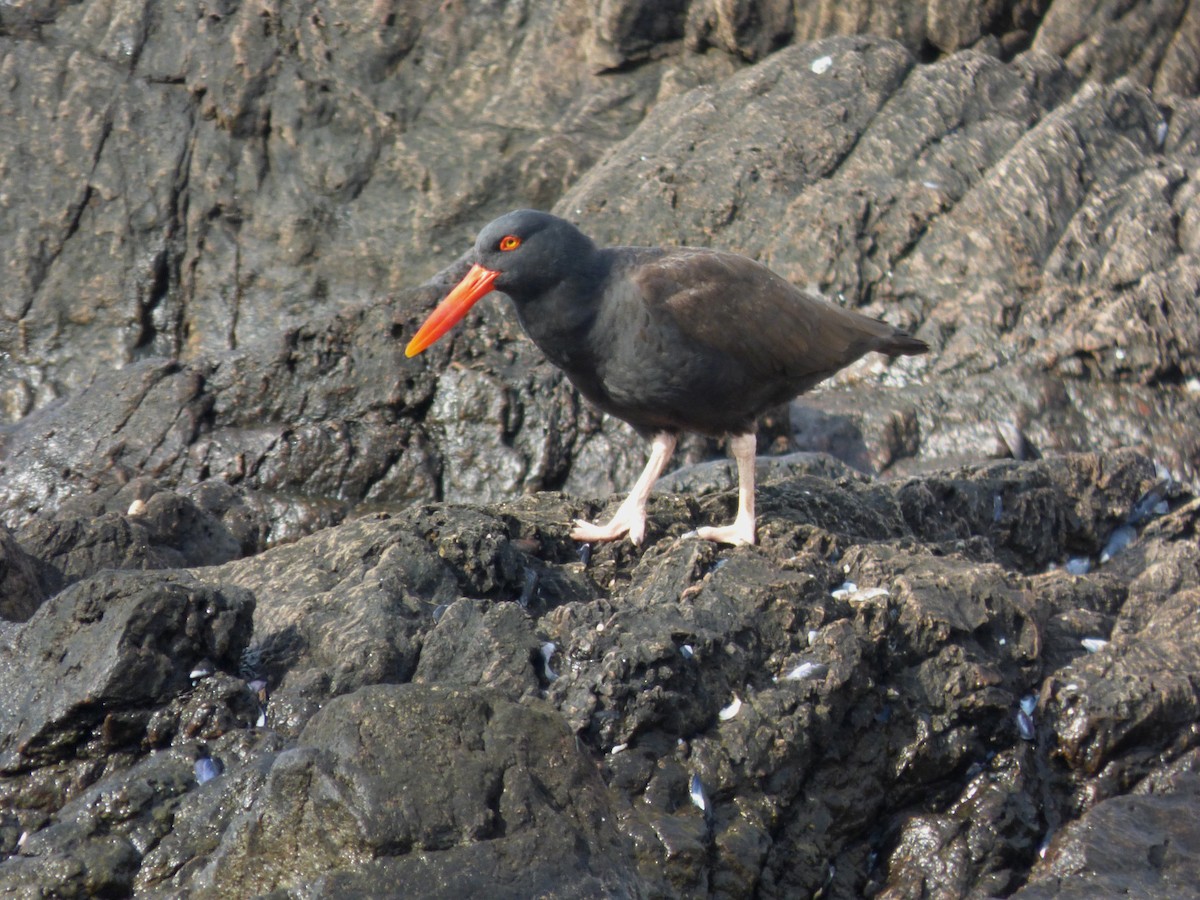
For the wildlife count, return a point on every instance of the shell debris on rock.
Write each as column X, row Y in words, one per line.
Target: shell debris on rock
column 1078, row 565
column 548, row 650
column 1118, row 542
column 203, row 669
column 806, row 669
column 1025, row 724
column 207, row 768
column 731, row 710
column 700, row 798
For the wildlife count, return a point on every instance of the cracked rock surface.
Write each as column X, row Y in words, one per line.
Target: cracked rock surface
column 284, row 613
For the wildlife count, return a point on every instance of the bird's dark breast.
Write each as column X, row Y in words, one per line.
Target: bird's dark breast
column 655, row 380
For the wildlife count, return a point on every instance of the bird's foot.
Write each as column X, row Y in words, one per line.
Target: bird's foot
column 618, row 526
column 738, row 534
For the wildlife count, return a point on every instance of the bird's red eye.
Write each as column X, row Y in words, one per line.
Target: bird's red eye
column 510, row 242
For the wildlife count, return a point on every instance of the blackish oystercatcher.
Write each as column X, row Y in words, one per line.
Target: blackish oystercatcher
column 670, row 340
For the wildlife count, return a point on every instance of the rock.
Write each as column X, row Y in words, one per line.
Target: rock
column 479, row 645
column 120, row 642
column 274, row 598
column 915, row 678
column 905, row 177
column 25, row 581
column 206, row 163
column 1148, row 846
column 1139, row 43
column 519, row 810
column 348, row 603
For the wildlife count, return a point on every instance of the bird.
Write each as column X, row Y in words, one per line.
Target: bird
column 670, row 340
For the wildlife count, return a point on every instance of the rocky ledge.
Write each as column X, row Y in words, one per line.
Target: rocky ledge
column 979, row 682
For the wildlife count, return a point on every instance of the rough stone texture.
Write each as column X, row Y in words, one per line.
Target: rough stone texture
column 1155, row 43
column 1144, row 844
column 360, row 805
column 24, row 580
column 284, row 612
column 568, row 704
column 118, row 642
column 1036, row 228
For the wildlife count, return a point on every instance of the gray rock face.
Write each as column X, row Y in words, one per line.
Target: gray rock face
column 284, row 613
column 119, row 643
column 846, row 694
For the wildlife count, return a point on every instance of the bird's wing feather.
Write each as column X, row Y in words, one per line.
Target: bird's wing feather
column 739, row 307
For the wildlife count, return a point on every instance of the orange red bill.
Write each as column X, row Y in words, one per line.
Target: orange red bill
column 476, row 284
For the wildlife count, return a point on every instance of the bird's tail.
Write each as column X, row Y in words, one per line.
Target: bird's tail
column 901, row 343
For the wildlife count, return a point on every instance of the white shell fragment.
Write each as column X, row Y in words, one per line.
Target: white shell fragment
column 700, row 796
column 821, row 65
column 1094, row 645
column 1120, row 539
column 1025, row 708
column 1025, row 725
column 207, row 769
column 1078, row 565
column 850, row 592
column 1151, row 504
column 203, row 669
column 868, row 594
column 548, row 649
column 731, row 710
column 806, row 670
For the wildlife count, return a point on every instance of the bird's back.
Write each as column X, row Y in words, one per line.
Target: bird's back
column 701, row 340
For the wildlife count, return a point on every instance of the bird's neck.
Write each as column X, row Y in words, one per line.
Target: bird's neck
column 560, row 319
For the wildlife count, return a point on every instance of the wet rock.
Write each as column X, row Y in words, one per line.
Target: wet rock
column 1151, row 671
column 515, row 806
column 1145, row 843
column 25, row 581
column 165, row 531
column 122, row 642
column 953, row 624
column 96, row 867
column 342, row 608
column 477, row 644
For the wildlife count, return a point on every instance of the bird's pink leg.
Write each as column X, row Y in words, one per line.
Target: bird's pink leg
column 743, row 447
column 631, row 515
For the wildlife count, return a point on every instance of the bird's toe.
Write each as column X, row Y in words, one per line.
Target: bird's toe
column 727, row 534
column 589, row 533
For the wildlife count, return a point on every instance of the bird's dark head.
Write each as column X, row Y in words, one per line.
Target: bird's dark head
column 532, row 251
column 523, row 253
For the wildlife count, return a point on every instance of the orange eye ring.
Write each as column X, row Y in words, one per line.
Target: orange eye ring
column 510, row 242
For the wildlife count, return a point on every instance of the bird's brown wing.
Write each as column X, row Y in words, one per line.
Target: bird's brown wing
column 741, row 308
